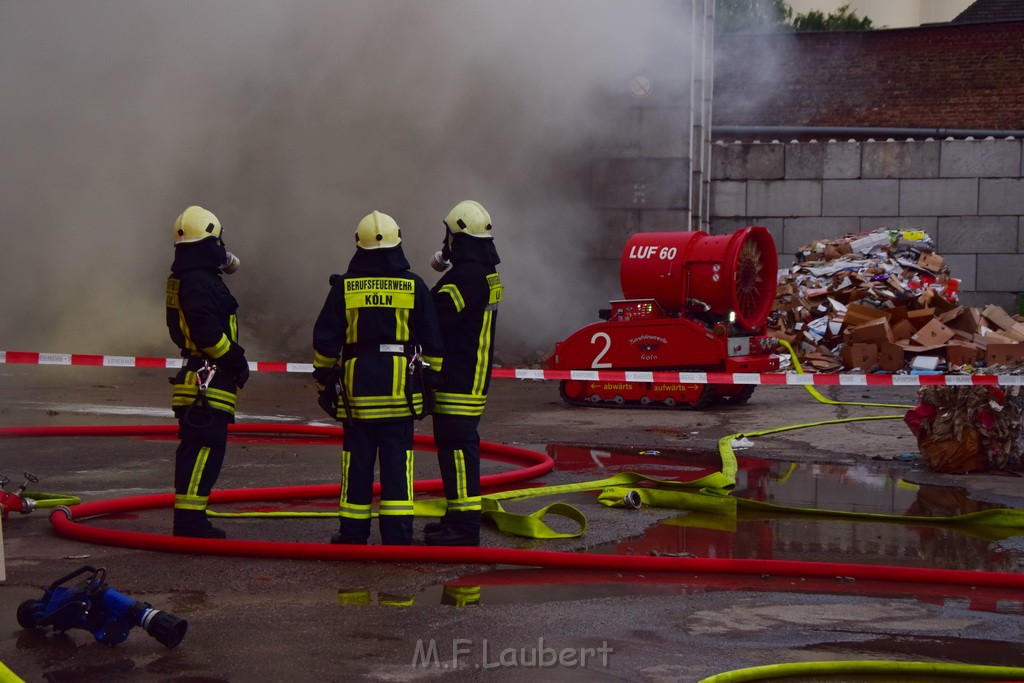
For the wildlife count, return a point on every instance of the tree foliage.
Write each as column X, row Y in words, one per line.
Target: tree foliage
column 843, row 19
column 761, row 16
column 752, row 16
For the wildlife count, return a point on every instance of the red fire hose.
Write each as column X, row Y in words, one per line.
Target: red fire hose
column 539, row 463
column 67, row 522
column 63, row 522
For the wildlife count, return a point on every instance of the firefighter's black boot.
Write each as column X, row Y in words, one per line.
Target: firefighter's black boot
column 194, row 524
column 341, row 539
column 352, row 532
column 462, row 528
column 396, row 530
column 433, row 527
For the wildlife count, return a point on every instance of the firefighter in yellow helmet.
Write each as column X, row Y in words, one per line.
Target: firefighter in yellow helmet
column 377, row 349
column 466, row 299
column 201, row 320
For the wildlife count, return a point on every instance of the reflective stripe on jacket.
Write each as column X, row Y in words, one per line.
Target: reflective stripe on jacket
column 466, row 299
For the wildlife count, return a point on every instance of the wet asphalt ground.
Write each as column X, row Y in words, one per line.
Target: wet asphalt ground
column 256, row 619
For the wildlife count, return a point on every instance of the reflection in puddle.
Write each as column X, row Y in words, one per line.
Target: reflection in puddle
column 603, row 463
column 530, row 586
column 857, row 488
column 853, row 488
column 366, row 596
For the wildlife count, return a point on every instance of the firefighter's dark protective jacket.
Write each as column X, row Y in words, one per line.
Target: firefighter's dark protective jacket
column 466, row 299
column 201, row 319
column 375, row 317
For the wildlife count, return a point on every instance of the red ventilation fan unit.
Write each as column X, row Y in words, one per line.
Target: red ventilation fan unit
column 692, row 302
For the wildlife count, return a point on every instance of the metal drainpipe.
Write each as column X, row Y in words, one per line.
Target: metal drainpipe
column 709, row 79
column 768, row 131
column 691, row 142
column 702, row 13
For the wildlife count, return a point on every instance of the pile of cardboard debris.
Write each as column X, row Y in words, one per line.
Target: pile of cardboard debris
column 885, row 301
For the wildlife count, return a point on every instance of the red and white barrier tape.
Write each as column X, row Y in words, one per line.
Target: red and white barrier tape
column 33, row 358
column 767, row 378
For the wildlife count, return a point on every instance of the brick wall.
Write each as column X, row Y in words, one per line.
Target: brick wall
column 946, row 76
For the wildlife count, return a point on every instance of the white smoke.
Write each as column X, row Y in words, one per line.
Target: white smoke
column 291, row 119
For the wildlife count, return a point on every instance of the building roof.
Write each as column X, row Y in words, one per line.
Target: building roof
column 989, row 11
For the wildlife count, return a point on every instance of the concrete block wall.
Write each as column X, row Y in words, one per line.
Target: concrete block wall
column 640, row 180
column 967, row 194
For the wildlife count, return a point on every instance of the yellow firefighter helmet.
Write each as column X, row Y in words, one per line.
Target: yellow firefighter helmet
column 470, row 218
column 194, row 224
column 378, row 231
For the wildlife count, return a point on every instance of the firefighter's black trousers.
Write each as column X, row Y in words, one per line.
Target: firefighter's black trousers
column 200, row 455
column 365, row 441
column 458, row 456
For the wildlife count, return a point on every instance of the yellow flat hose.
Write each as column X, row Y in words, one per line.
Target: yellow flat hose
column 51, row 500
column 8, row 676
column 817, row 394
column 868, row 668
column 530, row 525
column 728, row 456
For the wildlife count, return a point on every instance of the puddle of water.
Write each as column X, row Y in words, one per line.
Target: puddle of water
column 848, row 488
column 530, row 586
column 856, row 488
column 606, row 462
column 936, row 648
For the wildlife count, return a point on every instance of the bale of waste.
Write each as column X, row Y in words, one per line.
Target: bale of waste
column 955, row 456
column 962, row 429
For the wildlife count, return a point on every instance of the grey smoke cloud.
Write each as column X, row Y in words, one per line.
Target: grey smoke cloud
column 291, row 119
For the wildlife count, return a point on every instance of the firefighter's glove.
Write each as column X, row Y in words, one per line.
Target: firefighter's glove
column 242, row 376
column 323, row 377
column 234, row 365
column 327, row 390
column 328, row 401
